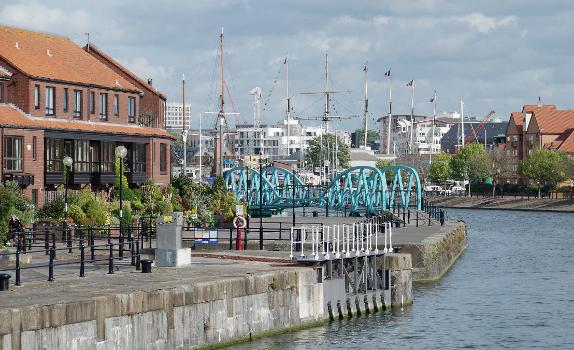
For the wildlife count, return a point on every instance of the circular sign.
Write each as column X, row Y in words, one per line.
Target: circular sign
column 239, row 222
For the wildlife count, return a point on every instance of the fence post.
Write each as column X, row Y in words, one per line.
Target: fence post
column 231, row 239
column 82, row 266
column 51, row 265
column 69, row 238
column 132, row 250
column 17, row 259
column 137, row 256
column 92, row 248
column 54, row 242
column 46, row 240
column 111, row 260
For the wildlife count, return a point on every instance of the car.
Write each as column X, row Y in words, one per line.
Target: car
column 457, row 189
column 433, row 188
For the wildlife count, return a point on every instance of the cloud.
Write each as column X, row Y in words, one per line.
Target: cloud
column 485, row 24
column 41, row 17
column 144, row 69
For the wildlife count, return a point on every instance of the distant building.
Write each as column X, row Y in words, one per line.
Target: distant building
column 174, row 117
column 489, row 133
column 538, row 126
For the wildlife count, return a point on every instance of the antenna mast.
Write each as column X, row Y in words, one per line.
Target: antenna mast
column 221, row 116
column 288, row 98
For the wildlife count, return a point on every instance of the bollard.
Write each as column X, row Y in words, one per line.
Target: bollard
column 442, row 217
column 82, row 264
column 357, row 306
column 4, row 282
column 383, row 306
column 111, row 260
column 51, row 265
column 409, row 216
column 146, row 265
column 417, row 218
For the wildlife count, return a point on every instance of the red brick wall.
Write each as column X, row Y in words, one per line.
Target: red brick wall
column 30, row 164
column 150, row 102
column 153, row 161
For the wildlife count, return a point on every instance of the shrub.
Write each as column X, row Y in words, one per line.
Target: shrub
column 97, row 212
column 77, row 214
column 13, row 202
column 53, row 211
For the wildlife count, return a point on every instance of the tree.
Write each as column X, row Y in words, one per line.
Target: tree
column 544, row 166
column 471, row 163
column 390, row 174
column 500, row 167
column 318, row 152
column 371, row 136
column 439, row 170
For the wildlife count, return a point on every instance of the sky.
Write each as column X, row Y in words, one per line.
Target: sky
column 493, row 55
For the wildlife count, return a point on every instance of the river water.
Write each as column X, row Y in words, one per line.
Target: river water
column 512, row 288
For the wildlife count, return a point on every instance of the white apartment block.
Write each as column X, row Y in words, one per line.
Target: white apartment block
column 174, row 116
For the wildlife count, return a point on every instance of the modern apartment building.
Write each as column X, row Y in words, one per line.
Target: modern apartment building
column 57, row 100
column 174, row 117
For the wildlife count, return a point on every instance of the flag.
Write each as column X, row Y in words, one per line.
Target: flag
column 285, row 61
column 365, row 68
column 388, row 73
column 432, row 99
column 410, row 83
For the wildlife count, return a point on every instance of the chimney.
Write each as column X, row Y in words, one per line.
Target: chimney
column 149, row 81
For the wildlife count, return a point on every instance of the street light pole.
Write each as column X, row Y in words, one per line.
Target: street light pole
column 260, row 205
column 121, row 152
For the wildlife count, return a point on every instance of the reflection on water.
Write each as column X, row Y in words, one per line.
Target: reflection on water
column 512, row 288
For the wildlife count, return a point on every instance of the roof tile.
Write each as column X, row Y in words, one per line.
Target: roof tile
column 55, row 57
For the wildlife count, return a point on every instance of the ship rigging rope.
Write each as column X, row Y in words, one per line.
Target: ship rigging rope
column 268, row 97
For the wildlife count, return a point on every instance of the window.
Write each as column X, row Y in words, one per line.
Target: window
column 1, row 92
column 92, row 103
column 116, row 104
column 65, row 99
column 12, row 153
column 162, row 157
column 131, row 109
column 53, row 155
column 95, row 156
column 50, row 103
column 78, row 103
column 34, row 147
column 108, row 157
column 81, row 156
column 37, row 96
column 139, row 158
column 104, row 106
column 35, row 197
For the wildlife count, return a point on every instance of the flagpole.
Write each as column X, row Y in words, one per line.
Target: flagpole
column 462, row 124
column 412, row 115
column 433, row 127
column 390, row 75
column 366, row 111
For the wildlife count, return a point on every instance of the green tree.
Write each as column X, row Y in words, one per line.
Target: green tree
column 544, row 167
column 381, row 164
column 13, row 202
column 439, row 170
column 318, row 152
column 371, row 136
column 500, row 167
column 127, row 192
column 470, row 163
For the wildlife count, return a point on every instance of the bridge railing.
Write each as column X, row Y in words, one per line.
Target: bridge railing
column 334, row 241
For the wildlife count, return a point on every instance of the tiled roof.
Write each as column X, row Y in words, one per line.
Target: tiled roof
column 554, row 121
column 533, row 108
column 564, row 142
column 518, row 119
column 10, row 116
column 112, row 61
column 54, row 57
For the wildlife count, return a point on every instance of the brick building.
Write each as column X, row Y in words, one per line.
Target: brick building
column 57, row 100
column 538, row 126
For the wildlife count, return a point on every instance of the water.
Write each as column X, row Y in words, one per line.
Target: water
column 513, row 288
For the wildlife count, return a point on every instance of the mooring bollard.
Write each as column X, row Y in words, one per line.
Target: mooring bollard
column 366, row 301
column 146, row 265
column 330, row 310
column 340, row 310
column 4, row 282
column 375, row 307
column 349, row 310
column 383, row 306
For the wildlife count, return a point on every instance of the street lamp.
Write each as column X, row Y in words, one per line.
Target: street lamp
column 121, row 152
column 68, row 161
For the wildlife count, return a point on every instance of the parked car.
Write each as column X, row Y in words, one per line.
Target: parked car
column 457, row 189
column 433, row 188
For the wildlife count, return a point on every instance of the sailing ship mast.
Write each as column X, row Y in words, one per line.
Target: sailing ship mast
column 366, row 107
column 288, row 100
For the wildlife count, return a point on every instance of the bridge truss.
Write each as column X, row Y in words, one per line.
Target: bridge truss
column 361, row 188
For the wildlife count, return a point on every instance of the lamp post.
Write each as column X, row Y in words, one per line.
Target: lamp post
column 121, row 152
column 68, row 161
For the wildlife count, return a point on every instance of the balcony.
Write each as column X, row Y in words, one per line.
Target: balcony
column 23, row 179
column 136, row 177
column 102, row 178
column 54, row 178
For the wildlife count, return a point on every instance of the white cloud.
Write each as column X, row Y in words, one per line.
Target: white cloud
column 485, row 24
column 144, row 69
column 37, row 16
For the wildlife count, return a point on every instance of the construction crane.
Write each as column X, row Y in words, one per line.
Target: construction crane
column 475, row 132
column 256, row 93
